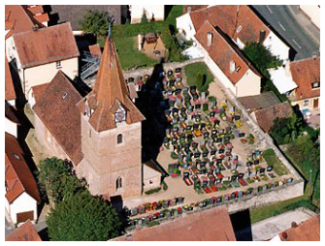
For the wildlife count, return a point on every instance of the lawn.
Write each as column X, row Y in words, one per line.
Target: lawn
column 129, row 55
column 192, row 71
column 274, row 161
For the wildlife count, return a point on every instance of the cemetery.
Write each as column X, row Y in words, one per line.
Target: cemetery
column 209, row 152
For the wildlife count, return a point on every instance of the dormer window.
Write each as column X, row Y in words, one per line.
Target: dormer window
column 209, row 38
column 239, row 29
column 58, row 65
column 16, row 156
column 238, row 69
column 232, row 66
column 315, row 85
column 64, row 95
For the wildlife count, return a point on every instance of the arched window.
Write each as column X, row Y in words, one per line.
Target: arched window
column 118, row 183
column 119, row 138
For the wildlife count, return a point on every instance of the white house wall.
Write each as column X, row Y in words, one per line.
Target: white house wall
column 11, row 127
column 277, row 47
column 248, row 85
column 185, row 26
column 23, row 203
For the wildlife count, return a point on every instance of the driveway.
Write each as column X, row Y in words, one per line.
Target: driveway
column 293, row 26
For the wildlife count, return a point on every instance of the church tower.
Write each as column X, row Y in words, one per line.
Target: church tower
column 111, row 133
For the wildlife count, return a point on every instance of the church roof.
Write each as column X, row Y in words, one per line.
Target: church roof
column 109, row 91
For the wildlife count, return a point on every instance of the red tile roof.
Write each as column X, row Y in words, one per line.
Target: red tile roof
column 42, row 18
column 38, row 9
column 193, row 8
column 110, row 91
column 11, row 113
column 56, row 107
column 19, row 19
column 18, row 176
column 304, row 73
column 210, row 225
column 308, row 230
column 46, row 45
column 223, row 52
column 38, row 90
column 10, row 93
column 234, row 20
column 26, row 232
column 266, row 116
column 94, row 49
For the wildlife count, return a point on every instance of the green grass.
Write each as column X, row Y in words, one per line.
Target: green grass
column 129, row 55
column 265, row 212
column 274, row 161
column 192, row 70
column 176, row 11
column 316, row 194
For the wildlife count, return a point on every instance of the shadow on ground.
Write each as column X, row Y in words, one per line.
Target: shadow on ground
column 241, row 223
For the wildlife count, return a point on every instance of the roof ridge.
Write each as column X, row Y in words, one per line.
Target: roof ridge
column 306, row 59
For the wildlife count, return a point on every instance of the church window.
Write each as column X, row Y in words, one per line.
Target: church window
column 119, row 139
column 118, row 183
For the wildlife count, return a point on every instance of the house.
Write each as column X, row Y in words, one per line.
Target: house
column 313, row 12
column 39, row 14
column 75, row 13
column 25, row 232
column 22, row 195
column 238, row 22
column 210, row 225
column 39, row 53
column 266, row 116
column 306, row 74
column 152, row 12
column 308, row 230
column 19, row 18
column 282, row 79
column 99, row 133
column 227, row 62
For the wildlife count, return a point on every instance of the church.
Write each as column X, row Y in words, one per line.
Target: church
column 99, row 133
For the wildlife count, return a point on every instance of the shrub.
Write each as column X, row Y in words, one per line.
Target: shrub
column 165, row 186
column 155, row 190
column 174, row 156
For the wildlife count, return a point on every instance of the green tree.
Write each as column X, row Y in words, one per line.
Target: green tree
column 83, row 218
column 57, row 178
column 144, row 18
column 262, row 59
column 95, row 23
column 199, row 81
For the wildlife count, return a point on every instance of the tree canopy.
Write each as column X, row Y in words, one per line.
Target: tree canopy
column 95, row 23
column 83, row 218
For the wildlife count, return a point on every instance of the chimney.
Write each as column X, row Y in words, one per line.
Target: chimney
column 262, row 36
column 209, row 38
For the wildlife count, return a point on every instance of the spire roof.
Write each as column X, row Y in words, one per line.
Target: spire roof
column 109, row 90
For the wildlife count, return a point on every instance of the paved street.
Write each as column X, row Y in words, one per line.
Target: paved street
column 294, row 27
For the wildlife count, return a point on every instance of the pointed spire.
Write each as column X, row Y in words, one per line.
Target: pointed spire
column 110, row 87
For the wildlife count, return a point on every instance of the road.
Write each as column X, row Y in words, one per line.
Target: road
column 293, row 26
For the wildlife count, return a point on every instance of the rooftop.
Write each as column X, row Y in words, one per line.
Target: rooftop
column 304, row 74
column 223, row 52
column 56, row 107
column 236, row 21
column 10, row 93
column 26, row 232
column 46, row 45
column 18, row 176
column 210, row 225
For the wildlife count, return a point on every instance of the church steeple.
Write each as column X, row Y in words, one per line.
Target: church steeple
column 110, row 93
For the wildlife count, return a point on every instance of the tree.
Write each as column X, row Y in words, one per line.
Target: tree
column 83, row 218
column 58, row 179
column 199, row 81
column 144, row 18
column 95, row 23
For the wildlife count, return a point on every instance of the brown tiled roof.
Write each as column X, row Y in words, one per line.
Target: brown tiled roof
column 10, row 93
column 11, row 113
column 266, row 116
column 193, row 7
column 42, row 18
column 26, row 232
column 38, row 90
column 38, row 9
column 18, row 176
column 308, row 230
column 109, row 90
column 211, row 225
column 56, row 108
column 229, row 18
column 304, row 73
column 263, row 100
column 223, row 52
column 46, row 45
column 94, row 49
column 19, row 19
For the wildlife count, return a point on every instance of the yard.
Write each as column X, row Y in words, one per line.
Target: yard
column 192, row 71
column 273, row 161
